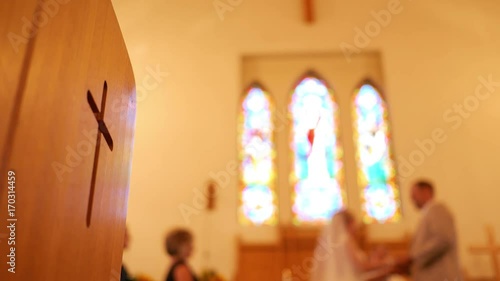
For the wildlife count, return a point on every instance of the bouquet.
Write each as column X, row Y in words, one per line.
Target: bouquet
column 142, row 277
column 211, row 275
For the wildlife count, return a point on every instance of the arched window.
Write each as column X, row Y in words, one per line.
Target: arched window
column 376, row 169
column 258, row 200
column 316, row 174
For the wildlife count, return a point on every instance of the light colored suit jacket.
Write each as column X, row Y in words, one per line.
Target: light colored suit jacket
column 434, row 248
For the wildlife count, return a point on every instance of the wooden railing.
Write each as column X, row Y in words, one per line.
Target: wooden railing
column 293, row 253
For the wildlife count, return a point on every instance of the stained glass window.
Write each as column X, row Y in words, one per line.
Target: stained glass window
column 376, row 173
column 316, row 174
column 258, row 200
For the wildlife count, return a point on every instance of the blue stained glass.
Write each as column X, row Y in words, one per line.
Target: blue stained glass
column 316, row 176
column 376, row 173
column 258, row 202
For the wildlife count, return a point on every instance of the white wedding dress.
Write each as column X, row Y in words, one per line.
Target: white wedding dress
column 336, row 254
column 332, row 259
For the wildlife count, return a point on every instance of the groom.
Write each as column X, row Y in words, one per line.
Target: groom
column 434, row 253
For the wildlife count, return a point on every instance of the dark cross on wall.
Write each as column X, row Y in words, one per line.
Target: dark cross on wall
column 102, row 129
column 308, row 6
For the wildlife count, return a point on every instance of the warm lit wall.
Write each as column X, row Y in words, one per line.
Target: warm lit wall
column 433, row 53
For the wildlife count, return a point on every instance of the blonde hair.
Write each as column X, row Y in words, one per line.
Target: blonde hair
column 347, row 216
column 176, row 239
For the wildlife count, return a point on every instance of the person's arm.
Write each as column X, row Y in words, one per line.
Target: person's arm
column 182, row 273
column 363, row 264
column 440, row 240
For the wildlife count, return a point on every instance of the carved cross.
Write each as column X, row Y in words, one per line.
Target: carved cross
column 102, row 129
column 492, row 249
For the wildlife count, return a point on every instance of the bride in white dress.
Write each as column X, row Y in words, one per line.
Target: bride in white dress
column 338, row 256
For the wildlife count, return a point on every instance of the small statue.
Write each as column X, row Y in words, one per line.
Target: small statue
column 211, row 196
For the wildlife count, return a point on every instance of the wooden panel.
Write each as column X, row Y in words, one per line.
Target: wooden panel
column 295, row 252
column 260, row 262
column 13, row 46
column 266, row 262
column 299, row 249
column 56, row 154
